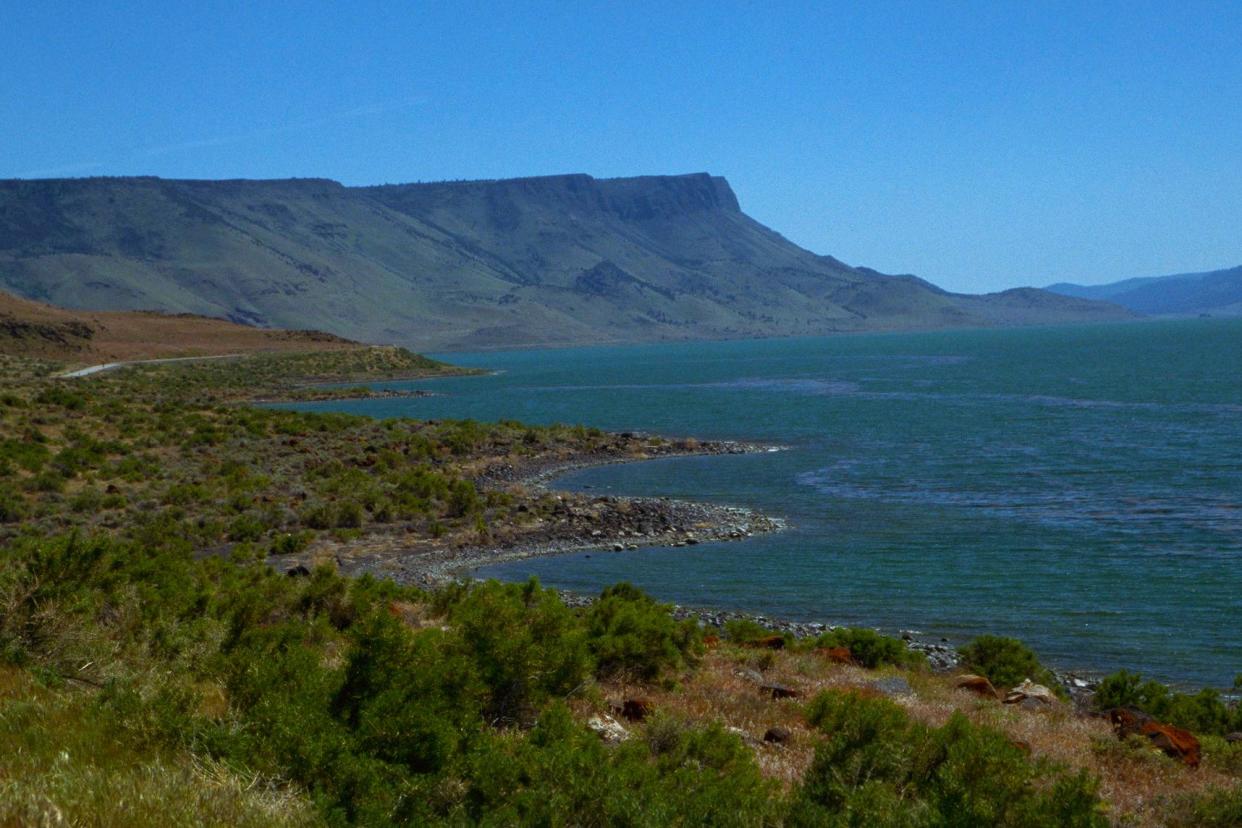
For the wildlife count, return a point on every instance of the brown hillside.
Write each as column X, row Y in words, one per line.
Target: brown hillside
column 33, row 329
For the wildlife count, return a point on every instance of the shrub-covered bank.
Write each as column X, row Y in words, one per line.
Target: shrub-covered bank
column 362, row 702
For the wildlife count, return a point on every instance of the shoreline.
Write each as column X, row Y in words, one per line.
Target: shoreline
column 942, row 655
column 437, row 565
column 584, row 523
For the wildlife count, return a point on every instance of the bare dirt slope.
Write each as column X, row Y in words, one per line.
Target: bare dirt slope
column 33, row 329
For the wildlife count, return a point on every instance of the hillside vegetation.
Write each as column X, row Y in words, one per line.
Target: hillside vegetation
column 554, row 260
column 158, row 666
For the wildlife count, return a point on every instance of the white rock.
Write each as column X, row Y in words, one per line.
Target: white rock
column 608, row 728
column 1030, row 690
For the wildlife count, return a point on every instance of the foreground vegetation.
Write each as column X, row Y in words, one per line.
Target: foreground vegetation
column 378, row 704
column 155, row 670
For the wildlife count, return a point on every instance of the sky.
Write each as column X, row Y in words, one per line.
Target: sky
column 978, row 145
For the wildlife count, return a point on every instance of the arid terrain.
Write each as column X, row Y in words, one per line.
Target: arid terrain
column 38, row 330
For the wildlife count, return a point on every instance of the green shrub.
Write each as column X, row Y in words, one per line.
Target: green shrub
column 463, row 498
column 1222, row 755
column 633, row 635
column 526, row 644
column 290, row 543
column 61, row 397
column 47, row 481
column 869, row 648
column 247, row 527
column 878, row 767
column 86, row 500
column 12, row 506
column 411, row 700
column 562, row 775
column 1006, row 662
column 349, row 515
column 25, row 453
column 1202, row 712
column 1214, row 808
column 744, row 630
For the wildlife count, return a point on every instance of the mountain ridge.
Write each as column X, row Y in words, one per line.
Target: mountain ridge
column 544, row 260
column 1204, row 293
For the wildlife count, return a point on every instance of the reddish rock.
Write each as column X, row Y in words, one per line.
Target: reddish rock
column 978, row 685
column 1172, row 741
column 837, row 655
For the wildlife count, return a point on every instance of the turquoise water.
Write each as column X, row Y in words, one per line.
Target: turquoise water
column 1079, row 488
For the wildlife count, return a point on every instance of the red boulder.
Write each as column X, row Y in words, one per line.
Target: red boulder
column 837, row 655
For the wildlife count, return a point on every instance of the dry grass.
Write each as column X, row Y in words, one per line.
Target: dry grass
column 34, row 329
column 1137, row 783
column 60, row 766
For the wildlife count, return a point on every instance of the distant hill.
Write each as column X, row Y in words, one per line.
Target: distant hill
column 534, row 261
column 33, row 329
column 1214, row 293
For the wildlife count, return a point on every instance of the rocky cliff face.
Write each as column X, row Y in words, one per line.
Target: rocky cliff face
column 552, row 260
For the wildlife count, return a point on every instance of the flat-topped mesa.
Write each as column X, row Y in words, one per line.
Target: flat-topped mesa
column 639, row 198
column 551, row 260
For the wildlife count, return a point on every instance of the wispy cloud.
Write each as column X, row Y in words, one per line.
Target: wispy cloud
column 344, row 115
column 259, row 133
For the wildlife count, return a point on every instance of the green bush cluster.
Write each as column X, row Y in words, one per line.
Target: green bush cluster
column 745, row 631
column 26, row 453
column 1214, row 808
column 870, row 648
column 876, row 766
column 630, row 634
column 1006, row 662
column 1201, row 712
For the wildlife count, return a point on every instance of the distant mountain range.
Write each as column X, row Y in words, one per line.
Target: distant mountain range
column 534, row 261
column 1214, row 293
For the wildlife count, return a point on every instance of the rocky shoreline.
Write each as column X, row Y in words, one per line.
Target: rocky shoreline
column 539, row 474
column 567, row 522
column 345, row 394
column 942, row 657
column 584, row 524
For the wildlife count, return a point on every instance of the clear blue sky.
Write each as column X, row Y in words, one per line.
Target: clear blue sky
column 979, row 145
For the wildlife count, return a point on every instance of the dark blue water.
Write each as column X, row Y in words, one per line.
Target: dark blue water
column 1079, row 488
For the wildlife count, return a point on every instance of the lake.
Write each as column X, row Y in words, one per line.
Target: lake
column 1079, row 488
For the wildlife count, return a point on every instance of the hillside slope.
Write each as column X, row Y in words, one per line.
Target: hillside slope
column 1213, row 293
column 553, row 260
column 36, row 330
